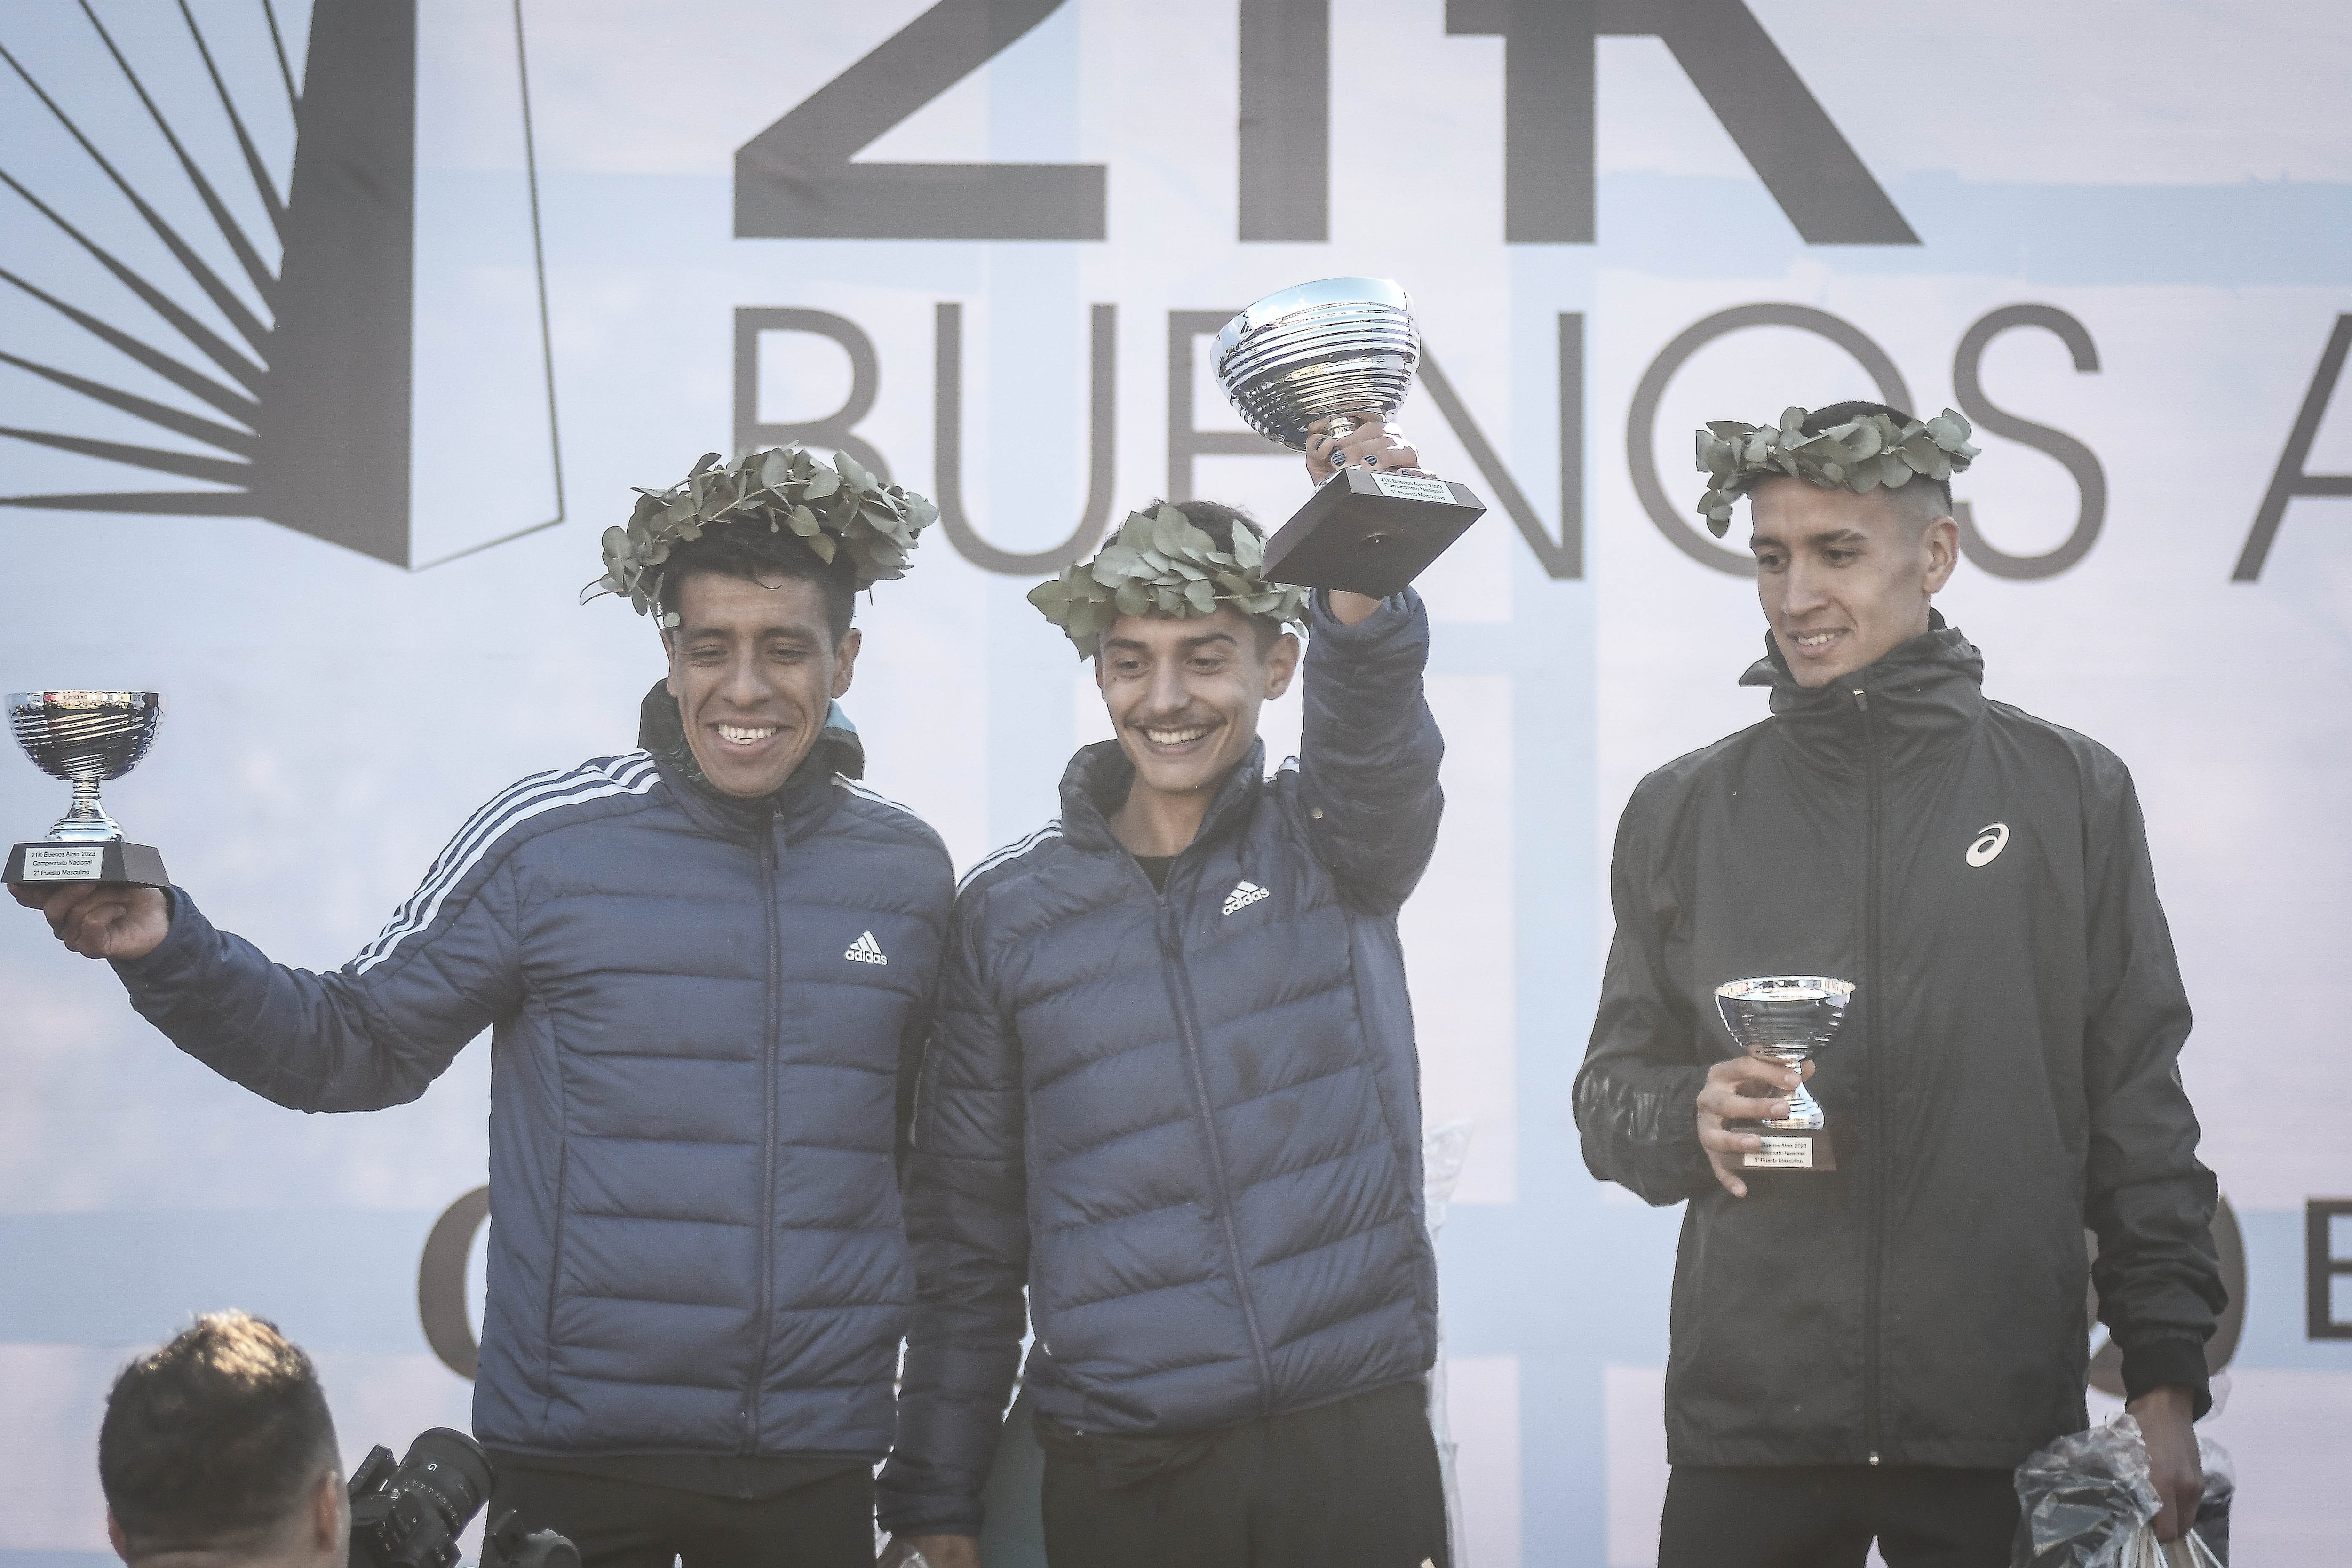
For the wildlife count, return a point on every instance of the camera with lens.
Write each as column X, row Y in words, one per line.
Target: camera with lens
column 410, row 1515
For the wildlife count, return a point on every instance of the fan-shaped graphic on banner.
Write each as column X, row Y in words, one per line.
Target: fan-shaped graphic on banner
column 383, row 381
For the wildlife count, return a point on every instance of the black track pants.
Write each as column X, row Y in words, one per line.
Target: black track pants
column 1349, row 1485
column 1825, row 1516
column 623, row 1524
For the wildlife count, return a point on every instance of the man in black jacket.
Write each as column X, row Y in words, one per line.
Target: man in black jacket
column 1869, row 1352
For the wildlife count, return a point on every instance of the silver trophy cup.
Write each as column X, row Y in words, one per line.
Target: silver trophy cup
column 85, row 738
column 1335, row 350
column 1784, row 1019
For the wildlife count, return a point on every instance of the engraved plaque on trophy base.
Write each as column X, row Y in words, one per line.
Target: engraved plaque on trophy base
column 1369, row 533
column 136, row 865
column 1787, row 1148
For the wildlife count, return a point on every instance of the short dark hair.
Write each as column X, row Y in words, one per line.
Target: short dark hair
column 1218, row 520
column 757, row 555
column 1911, row 502
column 216, row 1439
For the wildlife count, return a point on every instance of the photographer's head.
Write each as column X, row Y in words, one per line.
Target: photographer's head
column 218, row 1450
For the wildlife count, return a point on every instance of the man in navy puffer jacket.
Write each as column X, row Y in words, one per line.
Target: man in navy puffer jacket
column 707, row 968
column 1173, row 1090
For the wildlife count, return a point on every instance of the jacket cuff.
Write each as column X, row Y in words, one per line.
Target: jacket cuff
column 1400, row 611
column 904, row 1516
column 175, row 955
column 2169, row 1363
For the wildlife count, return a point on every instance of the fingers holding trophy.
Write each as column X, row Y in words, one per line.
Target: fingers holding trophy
column 1312, row 361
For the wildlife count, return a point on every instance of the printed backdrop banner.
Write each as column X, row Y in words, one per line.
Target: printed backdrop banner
column 333, row 334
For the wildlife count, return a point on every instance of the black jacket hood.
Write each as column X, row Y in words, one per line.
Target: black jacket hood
column 1925, row 695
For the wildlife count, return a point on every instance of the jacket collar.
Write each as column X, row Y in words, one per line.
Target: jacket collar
column 801, row 806
column 1095, row 785
column 1925, row 696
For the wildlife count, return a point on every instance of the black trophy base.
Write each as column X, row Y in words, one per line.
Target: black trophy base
column 135, row 864
column 1369, row 533
column 1788, row 1148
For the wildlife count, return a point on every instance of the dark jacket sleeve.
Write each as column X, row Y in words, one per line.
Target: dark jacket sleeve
column 1637, row 1093
column 2149, row 1199
column 359, row 1038
column 968, row 1224
column 1368, row 750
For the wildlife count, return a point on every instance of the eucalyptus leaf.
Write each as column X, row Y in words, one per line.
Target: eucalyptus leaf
column 1859, row 454
column 1161, row 564
column 775, row 490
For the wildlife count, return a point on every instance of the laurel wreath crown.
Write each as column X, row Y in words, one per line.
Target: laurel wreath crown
column 832, row 506
column 1860, row 456
column 1161, row 564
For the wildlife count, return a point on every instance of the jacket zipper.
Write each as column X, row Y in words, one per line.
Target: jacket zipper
column 769, row 1050
column 1180, row 995
column 1874, row 1091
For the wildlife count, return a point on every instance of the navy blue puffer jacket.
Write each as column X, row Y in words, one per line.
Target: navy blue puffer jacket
column 701, row 1010
column 1188, row 1122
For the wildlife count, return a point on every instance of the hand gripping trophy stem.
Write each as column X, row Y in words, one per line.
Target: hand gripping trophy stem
column 1335, row 353
column 1784, row 1019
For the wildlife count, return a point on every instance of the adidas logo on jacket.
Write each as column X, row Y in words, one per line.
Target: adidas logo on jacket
column 1204, row 1098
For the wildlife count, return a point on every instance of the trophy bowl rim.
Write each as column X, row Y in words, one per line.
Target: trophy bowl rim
column 128, row 699
column 82, row 734
column 1307, row 296
column 1839, row 992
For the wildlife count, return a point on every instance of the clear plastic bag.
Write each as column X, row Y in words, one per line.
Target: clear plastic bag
column 2086, row 1501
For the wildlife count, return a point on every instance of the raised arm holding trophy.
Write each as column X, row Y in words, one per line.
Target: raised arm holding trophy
column 1152, row 1008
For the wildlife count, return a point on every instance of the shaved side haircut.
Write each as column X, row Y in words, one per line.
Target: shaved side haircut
column 1919, row 503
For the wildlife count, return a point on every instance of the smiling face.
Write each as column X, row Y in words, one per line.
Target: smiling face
column 1845, row 579
column 1184, row 694
column 754, row 668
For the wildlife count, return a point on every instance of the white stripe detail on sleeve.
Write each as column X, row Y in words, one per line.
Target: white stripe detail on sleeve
column 855, row 788
column 632, row 773
column 1012, row 851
